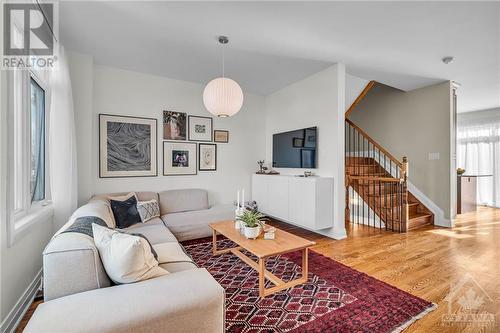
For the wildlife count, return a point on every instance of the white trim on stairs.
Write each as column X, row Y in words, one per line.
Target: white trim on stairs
column 17, row 313
column 439, row 218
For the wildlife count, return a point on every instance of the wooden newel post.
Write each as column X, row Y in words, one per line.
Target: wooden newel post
column 404, row 182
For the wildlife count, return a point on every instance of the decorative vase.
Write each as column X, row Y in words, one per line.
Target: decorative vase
column 252, row 233
column 237, row 225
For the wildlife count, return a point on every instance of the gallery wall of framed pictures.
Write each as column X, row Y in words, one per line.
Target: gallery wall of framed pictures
column 128, row 145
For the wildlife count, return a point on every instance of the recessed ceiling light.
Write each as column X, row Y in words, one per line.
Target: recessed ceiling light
column 448, row 60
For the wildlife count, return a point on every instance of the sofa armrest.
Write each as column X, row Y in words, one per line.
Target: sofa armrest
column 187, row 301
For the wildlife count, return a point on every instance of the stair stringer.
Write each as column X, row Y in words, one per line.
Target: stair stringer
column 439, row 218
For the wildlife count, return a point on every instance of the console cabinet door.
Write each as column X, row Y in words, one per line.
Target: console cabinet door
column 302, row 198
column 278, row 196
column 260, row 192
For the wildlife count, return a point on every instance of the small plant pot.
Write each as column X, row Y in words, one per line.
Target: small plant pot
column 252, row 233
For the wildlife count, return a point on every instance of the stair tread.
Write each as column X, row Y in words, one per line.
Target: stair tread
column 419, row 215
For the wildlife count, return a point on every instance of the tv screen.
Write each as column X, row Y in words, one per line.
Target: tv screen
column 295, row 149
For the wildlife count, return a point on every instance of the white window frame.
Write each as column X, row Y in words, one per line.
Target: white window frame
column 20, row 220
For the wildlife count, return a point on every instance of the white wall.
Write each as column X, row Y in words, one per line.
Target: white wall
column 21, row 262
column 353, row 87
column 318, row 100
column 122, row 92
column 478, row 116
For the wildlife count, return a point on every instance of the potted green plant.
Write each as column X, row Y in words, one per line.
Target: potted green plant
column 253, row 222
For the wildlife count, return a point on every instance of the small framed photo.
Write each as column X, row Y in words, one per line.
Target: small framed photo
column 200, row 128
column 298, row 142
column 207, row 158
column 127, row 146
column 221, row 136
column 174, row 125
column 179, row 158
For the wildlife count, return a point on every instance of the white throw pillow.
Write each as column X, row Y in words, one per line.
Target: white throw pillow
column 148, row 209
column 126, row 258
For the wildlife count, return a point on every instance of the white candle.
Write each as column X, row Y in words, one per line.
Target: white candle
column 238, row 198
column 243, row 198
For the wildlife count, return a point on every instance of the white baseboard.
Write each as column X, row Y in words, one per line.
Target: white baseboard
column 439, row 218
column 10, row 323
column 328, row 232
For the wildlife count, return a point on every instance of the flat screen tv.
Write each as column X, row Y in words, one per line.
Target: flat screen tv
column 295, row 149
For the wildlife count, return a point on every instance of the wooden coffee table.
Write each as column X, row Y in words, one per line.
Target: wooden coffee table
column 284, row 242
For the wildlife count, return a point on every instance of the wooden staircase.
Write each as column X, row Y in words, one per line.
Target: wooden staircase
column 376, row 186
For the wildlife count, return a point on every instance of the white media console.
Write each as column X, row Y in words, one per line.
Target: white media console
column 303, row 201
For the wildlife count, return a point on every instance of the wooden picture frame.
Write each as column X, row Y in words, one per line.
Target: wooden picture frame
column 200, row 128
column 221, row 136
column 179, row 158
column 127, row 146
column 207, row 157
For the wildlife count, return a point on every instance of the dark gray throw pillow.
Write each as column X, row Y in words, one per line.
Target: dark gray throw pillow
column 125, row 212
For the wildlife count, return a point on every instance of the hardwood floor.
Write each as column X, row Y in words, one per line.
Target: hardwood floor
column 425, row 263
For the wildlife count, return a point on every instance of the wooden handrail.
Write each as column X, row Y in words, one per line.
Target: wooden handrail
column 381, row 179
column 360, row 97
column 375, row 143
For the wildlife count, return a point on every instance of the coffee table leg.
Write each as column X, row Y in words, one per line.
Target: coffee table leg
column 305, row 263
column 214, row 242
column 262, row 277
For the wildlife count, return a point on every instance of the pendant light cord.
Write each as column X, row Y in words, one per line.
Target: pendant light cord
column 223, row 59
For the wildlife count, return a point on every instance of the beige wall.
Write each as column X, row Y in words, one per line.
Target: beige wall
column 414, row 124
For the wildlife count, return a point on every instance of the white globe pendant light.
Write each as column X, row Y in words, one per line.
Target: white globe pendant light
column 223, row 96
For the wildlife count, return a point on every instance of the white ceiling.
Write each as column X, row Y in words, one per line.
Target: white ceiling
column 274, row 44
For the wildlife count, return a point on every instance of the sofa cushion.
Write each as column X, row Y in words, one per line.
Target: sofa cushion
column 171, row 252
column 194, row 224
column 154, row 230
column 174, row 267
column 175, row 201
column 126, row 258
column 125, row 212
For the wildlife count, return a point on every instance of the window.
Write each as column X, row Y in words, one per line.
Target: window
column 28, row 97
column 28, row 169
column 37, row 160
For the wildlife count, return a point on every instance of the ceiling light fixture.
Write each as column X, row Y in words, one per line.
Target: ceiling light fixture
column 223, row 96
column 448, row 60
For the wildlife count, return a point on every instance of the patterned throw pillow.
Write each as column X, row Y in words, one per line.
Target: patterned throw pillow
column 148, row 209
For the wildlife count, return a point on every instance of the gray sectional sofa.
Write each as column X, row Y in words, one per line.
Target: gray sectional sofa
column 79, row 296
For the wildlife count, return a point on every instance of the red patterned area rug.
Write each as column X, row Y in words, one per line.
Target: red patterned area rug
column 335, row 299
